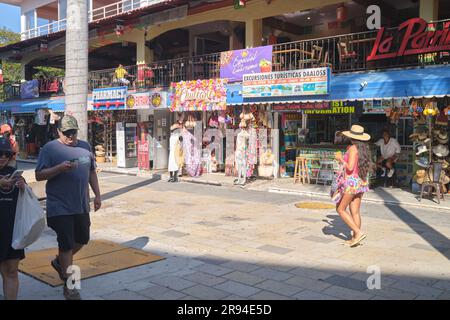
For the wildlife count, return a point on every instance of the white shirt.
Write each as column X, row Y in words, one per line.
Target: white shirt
column 390, row 149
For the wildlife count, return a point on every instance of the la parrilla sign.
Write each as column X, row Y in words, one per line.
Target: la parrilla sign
column 418, row 37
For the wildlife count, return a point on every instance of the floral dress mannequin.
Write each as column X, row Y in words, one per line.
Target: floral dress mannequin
column 192, row 154
column 241, row 154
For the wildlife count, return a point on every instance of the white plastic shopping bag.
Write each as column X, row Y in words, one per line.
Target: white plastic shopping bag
column 30, row 219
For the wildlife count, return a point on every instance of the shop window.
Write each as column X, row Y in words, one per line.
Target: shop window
column 318, row 130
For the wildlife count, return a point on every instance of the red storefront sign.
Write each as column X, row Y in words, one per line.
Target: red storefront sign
column 143, row 155
column 301, row 106
column 419, row 37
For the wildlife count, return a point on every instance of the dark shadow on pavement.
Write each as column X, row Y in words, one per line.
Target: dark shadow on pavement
column 138, row 243
column 436, row 239
column 129, row 188
column 336, row 227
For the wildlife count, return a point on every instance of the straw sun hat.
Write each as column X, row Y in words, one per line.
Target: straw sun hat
column 356, row 132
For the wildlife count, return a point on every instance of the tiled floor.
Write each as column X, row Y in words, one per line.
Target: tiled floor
column 261, row 247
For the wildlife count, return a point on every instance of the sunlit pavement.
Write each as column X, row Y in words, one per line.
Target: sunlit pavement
column 230, row 243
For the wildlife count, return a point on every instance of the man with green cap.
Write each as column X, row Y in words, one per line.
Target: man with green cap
column 68, row 165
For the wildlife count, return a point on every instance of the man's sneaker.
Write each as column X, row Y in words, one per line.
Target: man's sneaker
column 71, row 294
column 390, row 173
column 57, row 267
column 384, row 172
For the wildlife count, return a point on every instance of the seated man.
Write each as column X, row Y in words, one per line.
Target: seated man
column 390, row 149
column 120, row 73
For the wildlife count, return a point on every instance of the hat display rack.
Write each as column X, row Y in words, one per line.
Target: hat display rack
column 430, row 139
column 98, row 131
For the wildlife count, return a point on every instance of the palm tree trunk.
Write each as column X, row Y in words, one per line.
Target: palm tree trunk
column 76, row 86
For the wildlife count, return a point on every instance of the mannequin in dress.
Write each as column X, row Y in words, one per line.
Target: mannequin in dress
column 174, row 139
column 242, row 142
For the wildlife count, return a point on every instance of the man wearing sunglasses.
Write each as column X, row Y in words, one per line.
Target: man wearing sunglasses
column 69, row 167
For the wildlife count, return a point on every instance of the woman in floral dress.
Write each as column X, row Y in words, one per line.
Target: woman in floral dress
column 356, row 165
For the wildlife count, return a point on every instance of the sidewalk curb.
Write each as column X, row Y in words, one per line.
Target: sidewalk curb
column 162, row 176
column 284, row 191
column 118, row 172
column 212, row 183
column 387, row 203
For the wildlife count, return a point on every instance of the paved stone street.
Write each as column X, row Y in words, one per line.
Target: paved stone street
column 231, row 243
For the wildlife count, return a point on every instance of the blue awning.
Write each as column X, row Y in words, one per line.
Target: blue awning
column 4, row 108
column 57, row 105
column 30, row 106
column 425, row 82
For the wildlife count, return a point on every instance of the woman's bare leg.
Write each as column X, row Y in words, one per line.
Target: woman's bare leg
column 341, row 210
column 10, row 274
column 355, row 207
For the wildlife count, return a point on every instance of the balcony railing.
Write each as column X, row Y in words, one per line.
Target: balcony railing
column 107, row 11
column 9, row 91
column 160, row 73
column 46, row 87
column 344, row 53
column 45, row 29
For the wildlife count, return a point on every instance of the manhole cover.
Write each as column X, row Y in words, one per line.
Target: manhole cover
column 314, row 205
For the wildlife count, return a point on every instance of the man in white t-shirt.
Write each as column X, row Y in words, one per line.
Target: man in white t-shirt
column 390, row 149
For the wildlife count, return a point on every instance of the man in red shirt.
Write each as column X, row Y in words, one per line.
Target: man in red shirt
column 7, row 132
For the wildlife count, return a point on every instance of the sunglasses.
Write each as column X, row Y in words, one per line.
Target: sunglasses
column 5, row 154
column 70, row 133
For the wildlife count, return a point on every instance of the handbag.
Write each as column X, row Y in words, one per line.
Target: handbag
column 30, row 220
column 336, row 186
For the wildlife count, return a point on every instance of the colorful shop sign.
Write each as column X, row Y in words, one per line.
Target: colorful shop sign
column 315, row 81
column 339, row 107
column 159, row 99
column 147, row 100
column 419, row 37
column 293, row 107
column 138, row 101
column 380, row 106
column 199, row 95
column 235, row 64
column 109, row 98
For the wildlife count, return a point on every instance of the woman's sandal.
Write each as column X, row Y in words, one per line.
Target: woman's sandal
column 356, row 241
column 348, row 242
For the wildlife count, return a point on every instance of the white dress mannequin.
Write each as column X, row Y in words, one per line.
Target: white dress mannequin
column 242, row 141
column 173, row 166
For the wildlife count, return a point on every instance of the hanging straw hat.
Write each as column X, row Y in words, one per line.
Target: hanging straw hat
column 420, row 176
column 441, row 151
column 423, row 136
column 356, row 132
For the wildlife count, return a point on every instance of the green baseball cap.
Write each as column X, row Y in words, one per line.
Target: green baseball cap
column 69, row 123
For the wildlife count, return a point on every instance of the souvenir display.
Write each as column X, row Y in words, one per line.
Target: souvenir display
column 431, row 140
